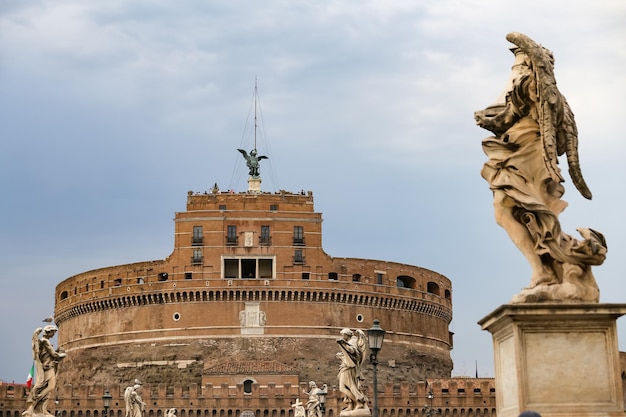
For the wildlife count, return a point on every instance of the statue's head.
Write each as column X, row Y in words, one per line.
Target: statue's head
column 346, row 333
column 50, row 330
column 253, row 152
column 312, row 384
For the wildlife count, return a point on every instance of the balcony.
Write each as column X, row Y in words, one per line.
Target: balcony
column 265, row 241
column 232, row 241
column 298, row 260
column 197, row 241
column 298, row 241
column 197, row 260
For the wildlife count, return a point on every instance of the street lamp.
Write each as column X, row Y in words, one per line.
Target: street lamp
column 429, row 411
column 106, row 401
column 321, row 395
column 375, row 336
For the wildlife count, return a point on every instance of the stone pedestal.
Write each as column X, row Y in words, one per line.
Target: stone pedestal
column 254, row 185
column 557, row 359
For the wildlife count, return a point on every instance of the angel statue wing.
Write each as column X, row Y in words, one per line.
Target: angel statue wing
column 554, row 116
column 361, row 343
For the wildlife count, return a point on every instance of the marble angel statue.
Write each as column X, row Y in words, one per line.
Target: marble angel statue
column 353, row 345
column 46, row 365
column 313, row 405
column 135, row 406
column 533, row 125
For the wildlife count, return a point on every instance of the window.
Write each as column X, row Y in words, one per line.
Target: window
column 298, row 235
column 379, row 278
column 222, row 206
column 273, row 207
column 163, row 276
column 196, row 259
column 197, row 235
column 231, row 235
column 266, row 268
column 140, row 280
column 298, row 257
column 248, row 268
column 433, row 288
column 231, row 268
column 332, row 276
column 64, row 295
column 101, row 284
column 247, row 386
column 405, row 281
column 118, row 282
column 265, row 238
column 188, row 275
column 305, row 275
column 356, row 277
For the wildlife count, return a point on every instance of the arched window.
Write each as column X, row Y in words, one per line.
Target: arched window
column 247, row 386
column 405, row 281
column 433, row 288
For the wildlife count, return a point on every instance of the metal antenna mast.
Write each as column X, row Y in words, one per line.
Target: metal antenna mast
column 255, row 100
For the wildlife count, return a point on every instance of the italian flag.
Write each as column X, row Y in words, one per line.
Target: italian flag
column 31, row 374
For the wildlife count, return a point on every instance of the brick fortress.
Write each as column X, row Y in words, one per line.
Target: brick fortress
column 244, row 312
column 248, row 280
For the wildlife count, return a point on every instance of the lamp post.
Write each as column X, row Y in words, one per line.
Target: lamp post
column 429, row 411
column 375, row 336
column 106, row 402
column 321, row 395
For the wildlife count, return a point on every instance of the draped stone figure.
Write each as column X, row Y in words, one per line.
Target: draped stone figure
column 313, row 406
column 46, row 364
column 533, row 125
column 134, row 403
column 352, row 355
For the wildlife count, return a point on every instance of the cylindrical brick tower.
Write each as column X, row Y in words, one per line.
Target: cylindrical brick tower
column 248, row 280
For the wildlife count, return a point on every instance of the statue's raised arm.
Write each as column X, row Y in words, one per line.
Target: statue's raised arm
column 534, row 125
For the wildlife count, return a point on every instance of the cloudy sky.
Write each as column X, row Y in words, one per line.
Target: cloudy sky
column 111, row 111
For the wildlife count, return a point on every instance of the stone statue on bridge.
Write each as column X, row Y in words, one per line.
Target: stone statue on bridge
column 533, row 125
column 46, row 365
column 353, row 345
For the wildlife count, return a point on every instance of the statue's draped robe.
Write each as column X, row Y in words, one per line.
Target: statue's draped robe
column 516, row 168
column 349, row 374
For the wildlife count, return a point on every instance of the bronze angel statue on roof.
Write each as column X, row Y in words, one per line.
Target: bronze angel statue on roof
column 252, row 161
column 533, row 125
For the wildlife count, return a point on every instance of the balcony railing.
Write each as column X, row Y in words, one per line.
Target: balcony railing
column 197, row 260
column 197, row 241
column 232, row 241
column 298, row 241
column 298, row 260
column 265, row 241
